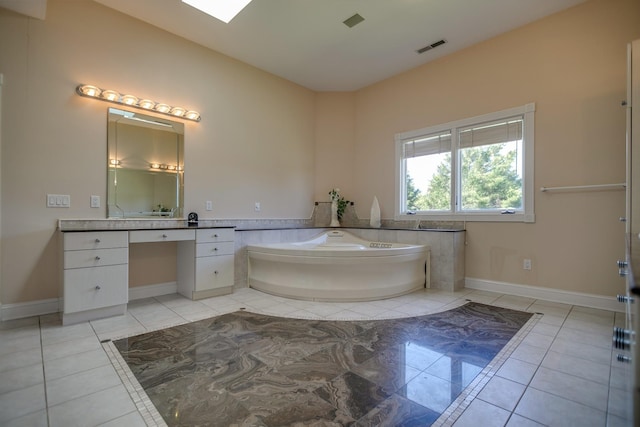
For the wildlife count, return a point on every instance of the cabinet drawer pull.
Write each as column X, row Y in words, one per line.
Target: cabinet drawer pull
column 164, row 236
column 98, row 287
column 97, row 258
column 97, row 240
column 215, row 249
column 215, row 272
column 215, row 235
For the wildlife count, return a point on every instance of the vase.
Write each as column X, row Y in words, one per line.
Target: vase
column 374, row 220
column 334, row 215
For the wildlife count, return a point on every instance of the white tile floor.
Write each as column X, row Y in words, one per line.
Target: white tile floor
column 563, row 372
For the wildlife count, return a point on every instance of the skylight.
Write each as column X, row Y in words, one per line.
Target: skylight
column 224, row 10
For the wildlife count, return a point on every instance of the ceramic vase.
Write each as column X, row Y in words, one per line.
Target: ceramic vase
column 375, row 214
column 334, row 215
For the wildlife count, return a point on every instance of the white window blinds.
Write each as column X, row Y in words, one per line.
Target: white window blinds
column 496, row 132
column 425, row 145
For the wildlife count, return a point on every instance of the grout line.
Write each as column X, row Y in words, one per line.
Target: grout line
column 44, row 376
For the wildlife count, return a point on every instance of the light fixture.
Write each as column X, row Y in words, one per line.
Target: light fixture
column 129, row 100
column 178, row 111
column 160, row 166
column 163, row 108
column 147, row 104
column 222, row 10
column 109, row 95
column 89, row 90
column 114, row 162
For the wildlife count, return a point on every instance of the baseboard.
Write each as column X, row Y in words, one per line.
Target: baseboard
column 547, row 294
column 37, row 308
column 156, row 290
column 48, row 306
column 28, row 309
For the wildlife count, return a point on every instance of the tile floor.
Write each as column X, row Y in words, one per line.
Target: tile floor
column 563, row 372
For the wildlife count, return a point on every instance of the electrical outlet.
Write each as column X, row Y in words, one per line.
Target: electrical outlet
column 208, row 205
column 257, row 207
column 526, row 264
column 95, row 201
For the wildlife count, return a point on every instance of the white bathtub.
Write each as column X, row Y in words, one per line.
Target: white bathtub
column 338, row 266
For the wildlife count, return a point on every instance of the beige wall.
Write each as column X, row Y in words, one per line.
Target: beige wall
column 572, row 65
column 255, row 141
column 334, row 153
column 265, row 139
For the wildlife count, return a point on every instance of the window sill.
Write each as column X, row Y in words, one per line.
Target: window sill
column 469, row 217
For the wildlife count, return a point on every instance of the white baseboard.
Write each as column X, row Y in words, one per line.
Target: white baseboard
column 547, row 294
column 47, row 306
column 156, row 290
column 21, row 310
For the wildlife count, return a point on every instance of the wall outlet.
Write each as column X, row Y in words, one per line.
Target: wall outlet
column 257, row 207
column 526, row 264
column 95, row 201
column 208, row 205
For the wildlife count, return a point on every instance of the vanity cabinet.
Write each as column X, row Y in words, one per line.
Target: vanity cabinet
column 206, row 267
column 95, row 267
column 95, row 275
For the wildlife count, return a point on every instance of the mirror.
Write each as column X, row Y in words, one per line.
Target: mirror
column 145, row 166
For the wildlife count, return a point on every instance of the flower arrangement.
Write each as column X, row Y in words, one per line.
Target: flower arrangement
column 339, row 200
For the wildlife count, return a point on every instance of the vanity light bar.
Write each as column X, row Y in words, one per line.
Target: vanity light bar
column 172, row 168
column 109, row 95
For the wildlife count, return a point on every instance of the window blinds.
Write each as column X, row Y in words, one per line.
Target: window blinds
column 427, row 144
column 497, row 132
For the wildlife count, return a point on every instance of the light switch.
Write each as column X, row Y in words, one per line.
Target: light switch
column 95, row 201
column 58, row 200
column 208, row 205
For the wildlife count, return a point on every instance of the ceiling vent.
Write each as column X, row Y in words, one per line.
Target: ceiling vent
column 431, row 46
column 353, row 21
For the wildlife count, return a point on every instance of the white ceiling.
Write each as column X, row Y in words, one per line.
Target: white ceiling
column 305, row 41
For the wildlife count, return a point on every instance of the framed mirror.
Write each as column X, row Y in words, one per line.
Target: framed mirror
column 145, row 166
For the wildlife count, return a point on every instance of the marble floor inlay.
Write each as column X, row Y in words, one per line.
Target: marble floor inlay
column 250, row 369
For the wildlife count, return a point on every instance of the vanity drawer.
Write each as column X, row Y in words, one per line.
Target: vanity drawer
column 214, row 249
column 98, row 287
column 214, row 272
column 215, row 235
column 95, row 240
column 95, row 258
column 142, row 236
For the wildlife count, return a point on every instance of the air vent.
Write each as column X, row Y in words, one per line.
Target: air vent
column 353, row 21
column 431, row 46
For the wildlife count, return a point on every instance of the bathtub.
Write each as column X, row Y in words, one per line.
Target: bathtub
column 338, row 266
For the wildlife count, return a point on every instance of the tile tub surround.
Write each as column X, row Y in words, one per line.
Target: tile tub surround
column 245, row 368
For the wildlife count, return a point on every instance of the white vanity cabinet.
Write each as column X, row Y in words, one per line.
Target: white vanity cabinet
column 95, row 275
column 206, row 266
column 95, row 267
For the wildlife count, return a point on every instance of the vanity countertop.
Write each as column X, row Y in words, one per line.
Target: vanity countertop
column 109, row 224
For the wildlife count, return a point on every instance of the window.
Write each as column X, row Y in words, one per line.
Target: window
column 476, row 169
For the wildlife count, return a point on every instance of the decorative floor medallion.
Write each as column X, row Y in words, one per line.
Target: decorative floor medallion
column 249, row 369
